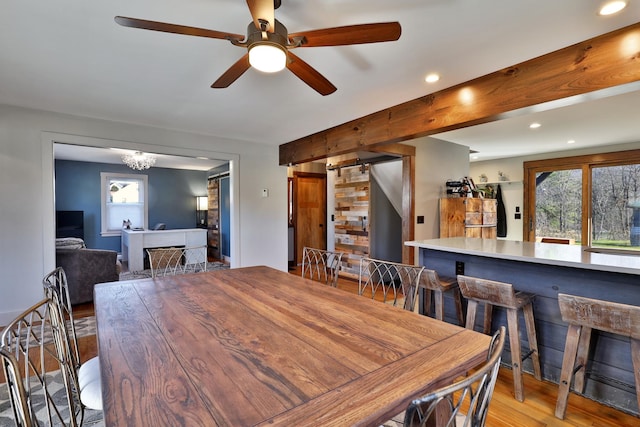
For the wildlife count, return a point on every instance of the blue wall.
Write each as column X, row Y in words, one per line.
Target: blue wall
column 172, row 196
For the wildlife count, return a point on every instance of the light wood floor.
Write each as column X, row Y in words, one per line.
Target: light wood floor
column 536, row 411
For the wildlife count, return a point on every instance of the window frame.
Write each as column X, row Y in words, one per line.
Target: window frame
column 105, row 178
column 586, row 163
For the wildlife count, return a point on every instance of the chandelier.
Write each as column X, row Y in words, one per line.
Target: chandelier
column 139, row 160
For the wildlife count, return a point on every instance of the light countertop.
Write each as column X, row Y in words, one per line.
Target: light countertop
column 542, row 253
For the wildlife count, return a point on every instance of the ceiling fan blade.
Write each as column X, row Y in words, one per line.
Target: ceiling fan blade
column 262, row 9
column 176, row 29
column 233, row 73
column 309, row 75
column 350, row 34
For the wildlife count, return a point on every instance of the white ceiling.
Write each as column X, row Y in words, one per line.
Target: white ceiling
column 70, row 56
column 114, row 155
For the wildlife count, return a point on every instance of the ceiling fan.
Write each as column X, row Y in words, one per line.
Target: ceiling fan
column 269, row 44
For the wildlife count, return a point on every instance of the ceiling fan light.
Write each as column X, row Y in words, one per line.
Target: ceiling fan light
column 267, row 57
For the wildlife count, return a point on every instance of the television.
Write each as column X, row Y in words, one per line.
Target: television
column 70, row 224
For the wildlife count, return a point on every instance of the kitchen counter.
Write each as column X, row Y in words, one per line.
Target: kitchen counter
column 540, row 253
column 547, row 269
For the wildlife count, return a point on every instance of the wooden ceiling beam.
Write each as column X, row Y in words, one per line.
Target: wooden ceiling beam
column 394, row 149
column 603, row 62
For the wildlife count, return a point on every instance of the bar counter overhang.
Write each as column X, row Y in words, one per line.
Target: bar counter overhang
column 547, row 269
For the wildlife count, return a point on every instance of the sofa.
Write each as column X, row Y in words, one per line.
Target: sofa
column 85, row 267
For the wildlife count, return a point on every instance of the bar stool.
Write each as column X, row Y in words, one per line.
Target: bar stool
column 432, row 283
column 583, row 315
column 501, row 294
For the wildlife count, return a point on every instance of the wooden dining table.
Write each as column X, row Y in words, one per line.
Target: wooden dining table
column 256, row 346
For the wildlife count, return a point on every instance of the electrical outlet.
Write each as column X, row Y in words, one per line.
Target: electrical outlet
column 459, row 267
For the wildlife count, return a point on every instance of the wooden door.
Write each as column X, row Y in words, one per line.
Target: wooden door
column 310, row 205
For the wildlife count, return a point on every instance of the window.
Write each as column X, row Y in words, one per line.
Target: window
column 559, row 204
column 123, row 197
column 593, row 200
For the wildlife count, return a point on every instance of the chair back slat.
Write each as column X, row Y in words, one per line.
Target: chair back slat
column 321, row 265
column 467, row 400
column 391, row 282
column 172, row 261
column 496, row 293
column 621, row 319
column 56, row 288
column 17, row 394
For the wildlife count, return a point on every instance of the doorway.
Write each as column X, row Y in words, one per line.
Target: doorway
column 309, row 211
column 87, row 147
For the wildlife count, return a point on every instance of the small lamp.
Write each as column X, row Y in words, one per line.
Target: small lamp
column 202, row 204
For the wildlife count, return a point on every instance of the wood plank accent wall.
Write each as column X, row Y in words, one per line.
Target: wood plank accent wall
column 352, row 215
column 599, row 63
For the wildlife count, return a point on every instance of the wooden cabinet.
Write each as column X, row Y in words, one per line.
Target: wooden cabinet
column 468, row 217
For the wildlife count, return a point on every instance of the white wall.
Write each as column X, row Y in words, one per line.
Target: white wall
column 27, row 244
column 436, row 162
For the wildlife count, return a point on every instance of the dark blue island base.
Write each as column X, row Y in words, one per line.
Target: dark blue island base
column 610, row 377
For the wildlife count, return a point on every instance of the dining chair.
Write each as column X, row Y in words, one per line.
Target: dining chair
column 33, row 354
column 464, row 403
column 321, row 265
column 172, row 261
column 84, row 378
column 390, row 282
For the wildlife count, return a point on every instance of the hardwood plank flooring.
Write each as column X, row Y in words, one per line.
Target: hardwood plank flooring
column 536, row 411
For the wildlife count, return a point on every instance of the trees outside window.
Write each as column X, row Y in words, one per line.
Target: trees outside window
column 558, row 204
column 594, row 200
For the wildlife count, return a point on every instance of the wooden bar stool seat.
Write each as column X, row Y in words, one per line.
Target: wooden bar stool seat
column 583, row 315
column 433, row 283
column 492, row 293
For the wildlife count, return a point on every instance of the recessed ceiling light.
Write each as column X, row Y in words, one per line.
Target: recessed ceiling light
column 534, row 125
column 571, row 141
column 611, row 7
column 432, row 78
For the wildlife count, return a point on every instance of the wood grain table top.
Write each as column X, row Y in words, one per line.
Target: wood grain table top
column 257, row 346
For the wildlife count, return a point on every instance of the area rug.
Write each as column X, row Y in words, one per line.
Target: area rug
column 146, row 274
